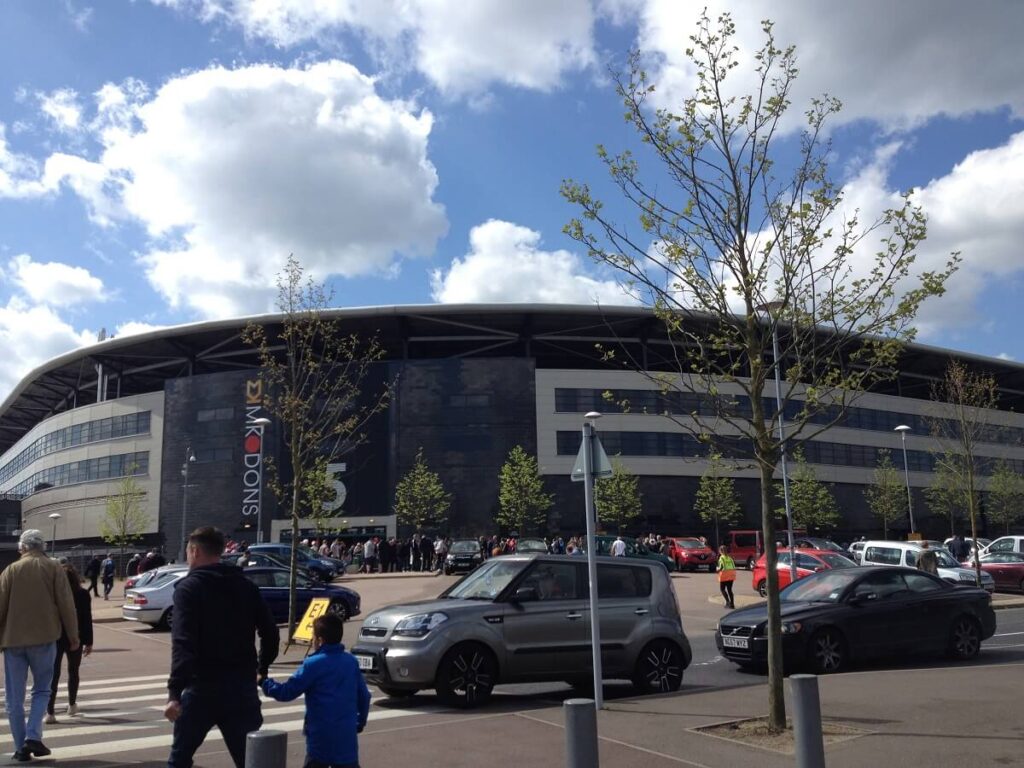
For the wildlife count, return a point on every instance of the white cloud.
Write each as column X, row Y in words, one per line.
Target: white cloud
column 898, row 63
column 31, row 334
column 505, row 264
column 62, row 107
column 1004, row 356
column 55, row 284
column 461, row 47
column 135, row 327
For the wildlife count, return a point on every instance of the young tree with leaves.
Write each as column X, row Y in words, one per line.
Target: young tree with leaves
column 617, row 497
column 522, row 502
column 318, row 495
column 947, row 495
column 313, row 376
column 1005, row 496
column 811, row 501
column 420, row 498
column 733, row 248
column 887, row 494
column 960, row 425
column 716, row 496
column 124, row 520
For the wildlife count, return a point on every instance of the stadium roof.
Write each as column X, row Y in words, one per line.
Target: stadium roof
column 556, row 336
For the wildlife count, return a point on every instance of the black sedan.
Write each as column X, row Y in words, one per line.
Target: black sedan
column 273, row 585
column 463, row 556
column 833, row 617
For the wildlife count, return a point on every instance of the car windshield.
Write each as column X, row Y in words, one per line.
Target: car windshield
column 464, row 547
column 823, row 587
column 945, row 559
column 531, row 545
column 837, row 561
column 488, row 581
column 684, row 544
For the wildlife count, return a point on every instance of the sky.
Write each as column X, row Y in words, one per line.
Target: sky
column 160, row 159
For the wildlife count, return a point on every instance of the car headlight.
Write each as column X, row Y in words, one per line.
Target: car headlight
column 477, row 556
column 420, row 624
column 450, row 558
column 791, row 627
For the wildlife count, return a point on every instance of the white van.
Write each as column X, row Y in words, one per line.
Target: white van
column 897, row 553
column 1005, row 544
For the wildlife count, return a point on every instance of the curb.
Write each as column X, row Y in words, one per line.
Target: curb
column 407, row 575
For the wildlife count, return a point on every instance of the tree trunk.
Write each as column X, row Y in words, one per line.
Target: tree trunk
column 776, row 699
column 971, row 508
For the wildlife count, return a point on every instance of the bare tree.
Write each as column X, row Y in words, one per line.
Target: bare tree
column 732, row 251
column 313, row 375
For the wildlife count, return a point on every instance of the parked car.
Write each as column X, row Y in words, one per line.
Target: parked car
column 857, row 551
column 1005, row 568
column 834, row 617
column 690, row 554
column 634, row 548
column 905, row 553
column 1005, row 544
column 260, row 560
column 978, row 543
column 142, row 579
column 463, row 555
column 816, row 543
column 529, row 547
column 744, row 547
column 317, row 567
column 808, row 561
column 153, row 602
column 520, row 619
column 273, row 586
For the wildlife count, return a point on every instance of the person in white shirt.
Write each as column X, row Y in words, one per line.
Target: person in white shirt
column 618, row 547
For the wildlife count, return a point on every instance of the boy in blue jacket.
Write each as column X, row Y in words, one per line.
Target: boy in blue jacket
column 337, row 699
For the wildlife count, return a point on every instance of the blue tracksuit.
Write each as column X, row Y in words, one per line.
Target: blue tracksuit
column 337, row 703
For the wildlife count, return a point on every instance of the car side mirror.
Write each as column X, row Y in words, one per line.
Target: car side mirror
column 525, row 595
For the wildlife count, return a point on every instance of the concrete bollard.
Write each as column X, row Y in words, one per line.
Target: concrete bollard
column 580, row 733
column 807, row 739
column 266, row 749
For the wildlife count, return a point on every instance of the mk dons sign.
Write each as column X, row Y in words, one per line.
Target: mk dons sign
column 252, row 452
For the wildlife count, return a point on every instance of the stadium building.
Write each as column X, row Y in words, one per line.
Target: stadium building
column 180, row 408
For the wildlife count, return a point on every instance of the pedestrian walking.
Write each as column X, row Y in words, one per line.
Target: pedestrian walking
column 92, row 573
column 618, row 547
column 959, row 549
column 108, row 576
column 417, row 552
column 214, row 664
column 36, row 606
column 337, row 699
column 83, row 612
column 426, row 554
column 370, row 555
column 726, row 576
column 132, row 569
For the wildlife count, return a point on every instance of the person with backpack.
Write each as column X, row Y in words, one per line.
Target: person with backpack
column 108, row 576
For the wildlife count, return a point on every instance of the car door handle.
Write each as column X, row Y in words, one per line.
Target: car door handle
column 641, row 611
column 573, row 616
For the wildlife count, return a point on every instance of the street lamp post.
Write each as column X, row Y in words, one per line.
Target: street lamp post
column 190, row 458
column 262, row 422
column 903, row 429
column 769, row 307
column 588, row 495
column 55, row 516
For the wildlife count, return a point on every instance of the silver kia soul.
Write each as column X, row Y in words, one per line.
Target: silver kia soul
column 525, row 618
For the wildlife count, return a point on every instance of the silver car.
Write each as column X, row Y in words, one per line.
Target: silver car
column 526, row 618
column 153, row 603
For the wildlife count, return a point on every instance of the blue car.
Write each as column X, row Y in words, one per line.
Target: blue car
column 317, row 567
column 273, row 586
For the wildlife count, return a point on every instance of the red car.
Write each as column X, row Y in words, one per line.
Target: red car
column 690, row 554
column 1006, row 569
column 808, row 561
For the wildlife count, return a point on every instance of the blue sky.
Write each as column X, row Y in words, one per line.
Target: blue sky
column 159, row 159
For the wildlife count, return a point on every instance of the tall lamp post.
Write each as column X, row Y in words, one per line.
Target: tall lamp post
column 903, row 429
column 770, row 308
column 588, row 494
column 55, row 516
column 190, row 458
column 262, row 422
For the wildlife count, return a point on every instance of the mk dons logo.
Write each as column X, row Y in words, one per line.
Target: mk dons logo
column 252, row 450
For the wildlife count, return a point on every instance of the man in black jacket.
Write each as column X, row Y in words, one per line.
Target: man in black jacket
column 214, row 666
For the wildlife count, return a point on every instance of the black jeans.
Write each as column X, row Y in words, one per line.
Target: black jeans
column 726, row 588
column 74, row 663
column 233, row 707
column 93, row 585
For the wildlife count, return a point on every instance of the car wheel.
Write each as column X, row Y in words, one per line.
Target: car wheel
column 964, row 638
column 398, row 693
column 826, row 652
column 659, row 668
column 466, row 676
column 339, row 609
column 167, row 620
column 762, row 588
column 750, row 563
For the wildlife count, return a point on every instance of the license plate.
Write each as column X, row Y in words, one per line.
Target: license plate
column 365, row 662
column 130, row 600
column 735, row 642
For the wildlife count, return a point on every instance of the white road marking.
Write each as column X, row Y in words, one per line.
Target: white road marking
column 1007, row 634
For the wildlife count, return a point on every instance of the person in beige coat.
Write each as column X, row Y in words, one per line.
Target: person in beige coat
column 36, row 605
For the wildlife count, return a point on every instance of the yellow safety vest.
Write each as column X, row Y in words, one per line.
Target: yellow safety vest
column 726, row 568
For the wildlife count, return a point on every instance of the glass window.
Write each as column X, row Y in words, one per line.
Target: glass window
column 487, row 581
column 259, row 579
column 885, row 585
column 1001, row 545
column 882, row 555
column 619, row 581
column 922, row 582
column 554, row 581
column 280, row 579
column 807, row 562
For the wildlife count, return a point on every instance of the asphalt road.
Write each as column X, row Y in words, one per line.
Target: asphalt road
column 124, row 685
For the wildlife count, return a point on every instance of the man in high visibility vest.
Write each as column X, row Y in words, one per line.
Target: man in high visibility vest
column 726, row 575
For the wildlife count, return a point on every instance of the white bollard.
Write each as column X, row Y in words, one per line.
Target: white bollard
column 266, row 749
column 580, row 733
column 807, row 738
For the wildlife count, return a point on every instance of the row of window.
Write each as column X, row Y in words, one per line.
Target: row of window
column 85, row 471
column 672, row 444
column 95, row 431
column 215, row 414
column 691, row 403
